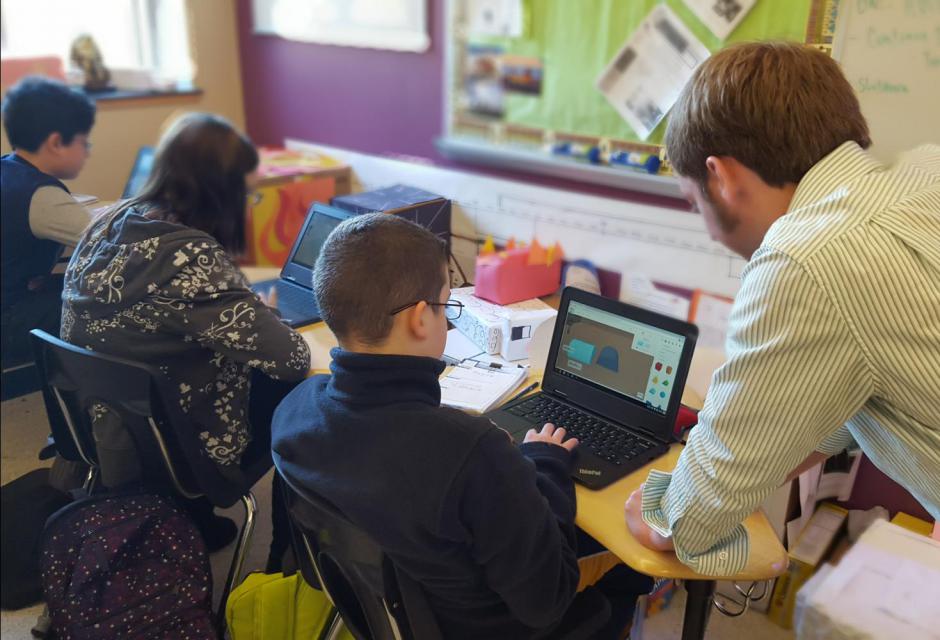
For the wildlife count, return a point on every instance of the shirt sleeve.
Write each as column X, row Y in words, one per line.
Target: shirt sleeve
column 794, row 376
column 519, row 513
column 224, row 315
column 837, row 442
column 55, row 215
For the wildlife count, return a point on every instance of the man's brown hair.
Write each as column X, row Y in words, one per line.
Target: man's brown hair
column 776, row 107
column 371, row 264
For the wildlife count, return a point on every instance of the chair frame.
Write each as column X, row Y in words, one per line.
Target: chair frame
column 308, row 558
column 410, row 598
column 72, row 444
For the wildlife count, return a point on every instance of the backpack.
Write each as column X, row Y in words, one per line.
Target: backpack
column 129, row 566
column 279, row 607
column 26, row 503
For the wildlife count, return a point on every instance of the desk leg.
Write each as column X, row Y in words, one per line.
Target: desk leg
column 698, row 605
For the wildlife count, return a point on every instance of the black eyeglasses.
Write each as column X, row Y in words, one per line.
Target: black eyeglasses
column 452, row 308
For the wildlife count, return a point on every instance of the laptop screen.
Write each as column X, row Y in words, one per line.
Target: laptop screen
column 308, row 248
column 636, row 361
column 143, row 165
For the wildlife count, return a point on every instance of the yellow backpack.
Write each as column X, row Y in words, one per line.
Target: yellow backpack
column 279, row 607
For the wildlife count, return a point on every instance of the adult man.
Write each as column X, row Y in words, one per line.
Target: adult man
column 47, row 124
column 835, row 333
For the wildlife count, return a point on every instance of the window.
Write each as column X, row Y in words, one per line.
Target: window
column 149, row 35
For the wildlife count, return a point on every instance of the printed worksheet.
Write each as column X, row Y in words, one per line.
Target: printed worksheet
column 645, row 78
column 494, row 17
column 720, row 16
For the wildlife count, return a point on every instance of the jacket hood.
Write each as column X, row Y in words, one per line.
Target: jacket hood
column 119, row 264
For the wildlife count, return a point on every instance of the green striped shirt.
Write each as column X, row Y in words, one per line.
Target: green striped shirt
column 834, row 336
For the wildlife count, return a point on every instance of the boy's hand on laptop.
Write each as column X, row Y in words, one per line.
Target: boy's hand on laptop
column 270, row 298
column 551, row 435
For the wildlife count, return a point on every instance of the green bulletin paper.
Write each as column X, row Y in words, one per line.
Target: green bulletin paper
column 576, row 39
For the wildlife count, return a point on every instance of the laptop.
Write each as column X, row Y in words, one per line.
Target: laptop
column 295, row 300
column 143, row 165
column 614, row 379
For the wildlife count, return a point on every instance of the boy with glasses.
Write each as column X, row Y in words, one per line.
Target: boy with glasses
column 486, row 527
column 47, row 124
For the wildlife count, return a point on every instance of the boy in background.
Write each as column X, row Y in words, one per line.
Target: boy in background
column 47, row 124
column 486, row 527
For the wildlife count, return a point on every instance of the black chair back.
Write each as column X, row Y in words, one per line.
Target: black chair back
column 374, row 598
column 79, row 381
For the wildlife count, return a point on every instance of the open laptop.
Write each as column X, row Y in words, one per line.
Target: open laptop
column 295, row 300
column 614, row 379
column 143, row 165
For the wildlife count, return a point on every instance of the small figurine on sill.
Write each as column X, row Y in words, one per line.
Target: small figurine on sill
column 86, row 56
column 517, row 272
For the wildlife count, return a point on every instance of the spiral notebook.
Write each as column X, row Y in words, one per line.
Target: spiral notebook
column 477, row 387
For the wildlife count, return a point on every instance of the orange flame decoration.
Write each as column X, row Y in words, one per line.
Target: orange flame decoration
column 537, row 254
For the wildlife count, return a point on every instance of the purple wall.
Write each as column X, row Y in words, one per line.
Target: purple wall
column 379, row 102
column 362, row 99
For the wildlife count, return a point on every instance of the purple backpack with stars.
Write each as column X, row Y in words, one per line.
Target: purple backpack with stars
column 126, row 566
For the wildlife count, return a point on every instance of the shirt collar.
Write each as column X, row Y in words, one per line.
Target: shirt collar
column 371, row 379
column 833, row 174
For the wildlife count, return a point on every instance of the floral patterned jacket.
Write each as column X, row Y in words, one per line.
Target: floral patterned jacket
column 169, row 295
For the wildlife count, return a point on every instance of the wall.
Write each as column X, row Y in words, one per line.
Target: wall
column 380, row 102
column 122, row 126
column 362, row 99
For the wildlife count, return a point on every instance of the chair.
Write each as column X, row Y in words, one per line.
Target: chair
column 376, row 600
column 18, row 379
column 166, row 443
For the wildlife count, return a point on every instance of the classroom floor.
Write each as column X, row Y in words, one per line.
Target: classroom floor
column 23, row 431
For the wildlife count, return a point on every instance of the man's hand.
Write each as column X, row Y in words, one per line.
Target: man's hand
column 633, row 514
column 551, row 435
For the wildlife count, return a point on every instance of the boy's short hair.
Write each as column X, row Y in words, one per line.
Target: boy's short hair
column 371, row 264
column 36, row 107
column 776, row 107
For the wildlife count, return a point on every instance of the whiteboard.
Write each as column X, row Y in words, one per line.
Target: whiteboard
column 667, row 245
column 890, row 52
column 399, row 25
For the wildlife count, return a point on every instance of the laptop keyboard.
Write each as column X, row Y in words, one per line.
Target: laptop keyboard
column 604, row 439
column 295, row 298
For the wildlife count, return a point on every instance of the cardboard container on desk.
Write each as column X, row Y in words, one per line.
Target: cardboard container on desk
column 431, row 211
column 288, row 184
column 506, row 330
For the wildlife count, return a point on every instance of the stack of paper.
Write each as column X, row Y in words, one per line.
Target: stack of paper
column 886, row 586
column 478, row 387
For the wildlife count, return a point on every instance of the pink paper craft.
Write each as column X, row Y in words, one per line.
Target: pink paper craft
column 518, row 274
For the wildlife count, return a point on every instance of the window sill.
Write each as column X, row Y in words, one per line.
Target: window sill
column 117, row 96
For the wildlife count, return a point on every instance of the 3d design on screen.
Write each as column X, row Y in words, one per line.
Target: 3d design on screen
column 636, row 360
column 609, row 359
column 581, row 351
column 517, row 272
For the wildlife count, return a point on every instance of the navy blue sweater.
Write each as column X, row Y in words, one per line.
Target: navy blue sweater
column 24, row 255
column 485, row 526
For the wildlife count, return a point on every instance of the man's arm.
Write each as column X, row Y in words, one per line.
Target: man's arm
column 794, row 376
column 55, row 215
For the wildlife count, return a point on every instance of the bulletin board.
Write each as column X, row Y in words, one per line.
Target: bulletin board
column 575, row 42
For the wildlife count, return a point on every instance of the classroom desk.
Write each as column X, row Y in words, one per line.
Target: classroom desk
column 600, row 513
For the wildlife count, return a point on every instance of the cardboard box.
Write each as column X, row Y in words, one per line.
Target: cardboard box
column 288, row 183
column 519, row 274
column 429, row 210
column 506, row 330
column 805, row 556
